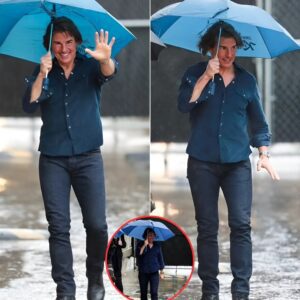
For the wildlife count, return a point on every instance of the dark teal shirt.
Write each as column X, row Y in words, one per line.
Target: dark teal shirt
column 70, row 109
column 223, row 125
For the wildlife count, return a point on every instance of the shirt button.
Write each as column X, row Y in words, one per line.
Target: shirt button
column 69, row 127
column 220, row 79
column 222, row 112
column 223, row 101
column 220, row 135
column 66, row 83
column 68, row 116
column 221, row 124
column 233, row 81
column 61, row 73
column 66, row 103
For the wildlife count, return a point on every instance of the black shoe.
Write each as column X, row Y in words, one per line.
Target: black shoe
column 65, row 298
column 240, row 296
column 210, row 297
column 96, row 289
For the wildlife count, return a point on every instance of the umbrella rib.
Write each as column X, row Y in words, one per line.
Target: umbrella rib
column 219, row 12
column 77, row 13
column 258, row 28
column 51, row 13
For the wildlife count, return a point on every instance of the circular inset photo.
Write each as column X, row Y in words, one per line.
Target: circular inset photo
column 149, row 257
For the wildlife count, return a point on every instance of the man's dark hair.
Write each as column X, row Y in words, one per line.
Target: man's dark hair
column 148, row 230
column 210, row 38
column 62, row 24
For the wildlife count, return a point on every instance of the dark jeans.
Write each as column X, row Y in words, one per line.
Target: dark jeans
column 85, row 174
column 116, row 260
column 235, row 180
column 144, row 279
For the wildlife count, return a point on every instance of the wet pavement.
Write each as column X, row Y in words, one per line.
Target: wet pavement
column 25, row 265
column 275, row 221
column 174, row 280
column 25, row 271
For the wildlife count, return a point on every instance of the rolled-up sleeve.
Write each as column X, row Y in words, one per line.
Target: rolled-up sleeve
column 103, row 78
column 27, row 106
column 186, row 88
column 31, row 107
column 259, row 129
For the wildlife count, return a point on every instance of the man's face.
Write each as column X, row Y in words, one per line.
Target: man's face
column 150, row 237
column 64, row 48
column 227, row 52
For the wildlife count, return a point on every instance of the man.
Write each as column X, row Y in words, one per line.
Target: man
column 69, row 144
column 150, row 263
column 225, row 120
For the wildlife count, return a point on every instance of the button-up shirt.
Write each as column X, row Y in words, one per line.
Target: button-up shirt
column 225, row 124
column 70, row 108
column 151, row 260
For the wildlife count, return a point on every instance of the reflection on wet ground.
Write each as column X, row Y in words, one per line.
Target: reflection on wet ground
column 168, row 287
column 25, row 271
column 275, row 221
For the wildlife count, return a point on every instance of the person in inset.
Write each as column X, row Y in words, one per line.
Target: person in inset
column 70, row 140
column 150, row 264
column 116, row 259
column 224, row 123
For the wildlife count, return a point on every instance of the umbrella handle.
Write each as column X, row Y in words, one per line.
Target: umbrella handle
column 212, row 85
column 219, row 38
column 212, row 88
column 45, row 84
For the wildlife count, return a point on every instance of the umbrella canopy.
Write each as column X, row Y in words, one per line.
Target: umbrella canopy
column 23, row 24
column 156, row 46
column 182, row 25
column 118, row 234
column 137, row 228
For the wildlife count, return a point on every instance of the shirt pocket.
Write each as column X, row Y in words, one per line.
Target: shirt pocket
column 81, row 82
column 242, row 97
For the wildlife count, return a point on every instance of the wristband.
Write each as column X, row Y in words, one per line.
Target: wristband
column 265, row 153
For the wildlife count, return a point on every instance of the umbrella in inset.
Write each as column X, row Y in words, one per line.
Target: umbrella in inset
column 118, row 234
column 23, row 24
column 156, row 46
column 183, row 24
column 137, row 228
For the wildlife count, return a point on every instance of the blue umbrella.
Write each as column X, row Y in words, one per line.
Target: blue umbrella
column 182, row 24
column 156, row 46
column 137, row 228
column 118, row 234
column 23, row 24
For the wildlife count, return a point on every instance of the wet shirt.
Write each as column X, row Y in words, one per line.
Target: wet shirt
column 151, row 259
column 223, row 125
column 70, row 109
